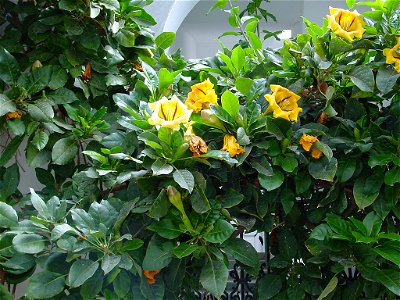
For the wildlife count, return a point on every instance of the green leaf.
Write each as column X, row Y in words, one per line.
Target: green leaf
column 323, row 168
column 8, row 216
column 230, row 103
column 351, row 3
column 185, row 179
column 262, row 166
column 160, row 167
column 386, row 79
column 389, row 253
column 366, row 190
column 217, row 154
column 126, row 38
column 9, row 68
column 255, row 40
column 122, row 284
column 158, row 254
column 271, row 182
column 287, row 244
column 109, row 262
column 242, row 137
column 363, row 77
column 40, row 140
column 238, row 58
column 28, row 243
column 10, row 149
column 93, row 286
column 39, row 204
column 330, row 287
column 392, row 176
column 220, row 232
column 41, row 111
column 346, row 169
column 64, row 151
column 62, row 96
column 243, row 252
column 214, row 277
column 390, row 279
column 9, row 184
column 16, row 126
column 45, row 285
column 269, row 286
column 165, row 78
column 81, row 270
column 133, row 244
column 160, row 206
column 166, row 228
column 184, row 250
column 244, row 85
column 165, row 39
column 6, row 105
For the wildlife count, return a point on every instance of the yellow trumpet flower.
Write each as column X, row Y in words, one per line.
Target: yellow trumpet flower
column 169, row 113
column 201, row 96
column 393, row 55
column 307, row 141
column 283, row 103
column 231, row 145
column 346, row 24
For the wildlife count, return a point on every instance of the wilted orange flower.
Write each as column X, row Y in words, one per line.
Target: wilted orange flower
column 197, row 145
column 307, row 141
column 13, row 115
column 149, row 274
column 346, row 24
column 87, row 74
column 322, row 118
column 283, row 103
column 201, row 96
column 231, row 145
column 393, row 55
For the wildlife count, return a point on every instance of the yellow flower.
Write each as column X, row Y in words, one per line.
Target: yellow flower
column 169, row 113
column 316, row 153
column 231, row 145
column 346, row 24
column 393, row 55
column 283, row 103
column 149, row 274
column 201, row 96
column 307, row 141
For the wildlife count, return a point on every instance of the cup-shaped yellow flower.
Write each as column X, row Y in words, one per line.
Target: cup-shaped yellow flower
column 231, row 145
column 393, row 55
column 169, row 113
column 307, row 141
column 346, row 24
column 201, row 96
column 283, row 103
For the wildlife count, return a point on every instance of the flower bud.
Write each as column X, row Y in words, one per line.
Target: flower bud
column 174, row 196
column 36, row 65
column 212, row 119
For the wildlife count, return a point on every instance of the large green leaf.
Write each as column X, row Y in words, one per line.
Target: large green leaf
column 6, row 105
column 185, row 179
column 363, row 77
column 45, row 285
column 269, row 286
column 271, row 182
column 323, row 168
column 165, row 39
column 10, row 182
column 81, row 270
column 167, row 228
column 230, row 103
column 39, row 204
column 9, row 68
column 366, row 190
column 221, row 231
column 242, row 251
column 28, row 243
column 158, row 254
column 64, row 151
column 386, row 79
column 389, row 278
column 214, row 276
column 330, row 287
column 8, row 216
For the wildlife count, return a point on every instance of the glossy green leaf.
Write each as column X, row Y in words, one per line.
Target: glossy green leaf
column 45, row 285
column 214, row 276
column 165, row 39
column 220, row 232
column 29, row 243
column 81, row 270
column 8, row 216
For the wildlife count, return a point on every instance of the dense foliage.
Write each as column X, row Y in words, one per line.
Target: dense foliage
column 152, row 165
